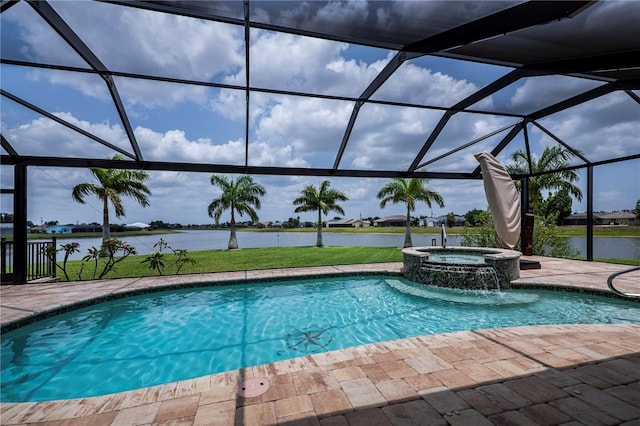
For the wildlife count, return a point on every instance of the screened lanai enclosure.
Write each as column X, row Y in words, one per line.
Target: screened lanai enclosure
column 336, row 89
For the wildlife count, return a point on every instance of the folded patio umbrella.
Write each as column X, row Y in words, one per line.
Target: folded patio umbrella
column 503, row 199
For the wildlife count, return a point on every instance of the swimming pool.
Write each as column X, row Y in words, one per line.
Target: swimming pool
column 162, row 337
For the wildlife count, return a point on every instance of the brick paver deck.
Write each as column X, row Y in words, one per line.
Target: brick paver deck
column 542, row 375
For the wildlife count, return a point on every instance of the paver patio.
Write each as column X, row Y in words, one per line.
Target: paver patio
column 545, row 375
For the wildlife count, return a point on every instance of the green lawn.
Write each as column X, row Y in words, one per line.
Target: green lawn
column 262, row 258
column 248, row 259
column 291, row 257
column 600, row 231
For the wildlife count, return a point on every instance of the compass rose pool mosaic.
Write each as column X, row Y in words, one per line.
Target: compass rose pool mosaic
column 155, row 338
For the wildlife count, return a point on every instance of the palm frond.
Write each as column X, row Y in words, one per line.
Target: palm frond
column 552, row 158
column 324, row 199
column 408, row 191
column 241, row 195
column 84, row 189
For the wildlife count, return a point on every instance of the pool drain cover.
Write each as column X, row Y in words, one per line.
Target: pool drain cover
column 252, row 387
column 309, row 340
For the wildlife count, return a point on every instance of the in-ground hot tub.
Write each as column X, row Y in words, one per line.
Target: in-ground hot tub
column 476, row 268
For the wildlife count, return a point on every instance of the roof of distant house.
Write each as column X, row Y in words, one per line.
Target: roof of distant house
column 393, row 217
column 617, row 215
column 137, row 225
column 604, row 215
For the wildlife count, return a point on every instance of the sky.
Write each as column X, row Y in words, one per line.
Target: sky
column 185, row 123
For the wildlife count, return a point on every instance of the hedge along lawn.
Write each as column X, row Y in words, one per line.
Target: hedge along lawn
column 245, row 259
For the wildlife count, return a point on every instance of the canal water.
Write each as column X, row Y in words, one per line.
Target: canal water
column 194, row 240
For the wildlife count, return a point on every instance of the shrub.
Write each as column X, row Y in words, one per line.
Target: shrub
column 481, row 235
column 105, row 257
column 546, row 238
column 69, row 248
column 156, row 259
column 548, row 242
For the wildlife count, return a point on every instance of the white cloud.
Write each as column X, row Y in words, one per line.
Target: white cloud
column 174, row 146
column 88, row 84
column 156, row 43
column 460, row 196
column 604, row 128
column 38, row 41
column 154, row 94
column 294, row 63
column 343, row 12
column 311, row 14
column 310, row 126
column 285, row 131
column 539, row 92
column 176, row 197
column 43, row 136
column 414, row 84
column 609, row 197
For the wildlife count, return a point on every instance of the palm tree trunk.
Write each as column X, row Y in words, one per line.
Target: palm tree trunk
column 407, row 232
column 534, row 194
column 536, row 203
column 319, row 237
column 105, row 220
column 105, row 228
column 233, row 242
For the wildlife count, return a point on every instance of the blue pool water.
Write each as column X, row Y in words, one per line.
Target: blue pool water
column 163, row 337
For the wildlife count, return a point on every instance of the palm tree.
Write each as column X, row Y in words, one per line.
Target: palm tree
column 112, row 184
column 552, row 158
column 408, row 191
column 323, row 200
column 238, row 195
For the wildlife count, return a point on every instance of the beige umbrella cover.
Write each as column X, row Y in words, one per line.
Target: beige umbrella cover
column 503, row 199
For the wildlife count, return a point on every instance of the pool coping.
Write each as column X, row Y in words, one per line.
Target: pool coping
column 346, row 369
